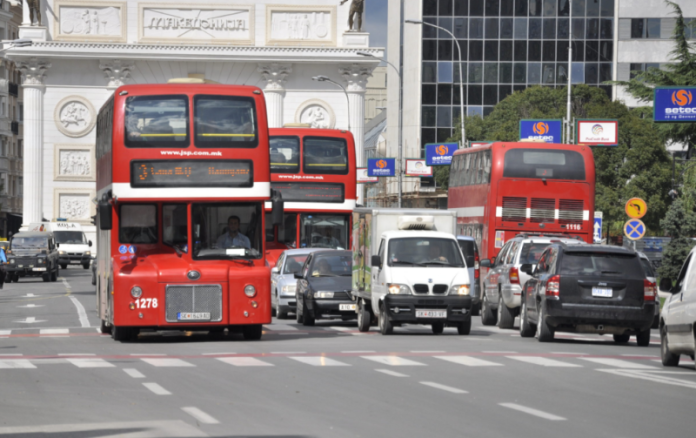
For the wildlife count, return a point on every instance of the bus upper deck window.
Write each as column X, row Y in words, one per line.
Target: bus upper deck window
column 544, row 163
column 285, row 154
column 225, row 121
column 156, row 121
column 325, row 155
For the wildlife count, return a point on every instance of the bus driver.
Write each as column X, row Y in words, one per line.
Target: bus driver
column 233, row 238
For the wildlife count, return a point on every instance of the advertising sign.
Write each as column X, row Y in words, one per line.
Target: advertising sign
column 674, row 104
column 541, row 130
column 439, row 154
column 598, row 132
column 417, row 167
column 381, row 166
column 363, row 178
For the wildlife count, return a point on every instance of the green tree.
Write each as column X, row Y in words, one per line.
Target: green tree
column 680, row 225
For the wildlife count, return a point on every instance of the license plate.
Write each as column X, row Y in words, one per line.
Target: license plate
column 346, row 307
column 431, row 313
column 602, row 292
column 39, row 269
column 199, row 316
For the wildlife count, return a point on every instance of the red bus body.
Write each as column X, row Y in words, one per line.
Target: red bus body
column 494, row 208
column 306, row 202
column 167, row 272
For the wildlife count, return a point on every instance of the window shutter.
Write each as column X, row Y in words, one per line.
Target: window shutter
column 625, row 29
column 667, row 27
column 623, row 72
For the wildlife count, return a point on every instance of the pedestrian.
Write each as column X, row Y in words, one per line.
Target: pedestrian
column 3, row 261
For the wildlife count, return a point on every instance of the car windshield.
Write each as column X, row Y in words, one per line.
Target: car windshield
column 332, row 266
column 29, row 243
column 70, row 237
column 294, row 263
column 226, row 231
column 598, row 264
column 424, row 251
column 531, row 252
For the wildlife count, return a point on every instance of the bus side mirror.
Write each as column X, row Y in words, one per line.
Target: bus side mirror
column 278, row 207
column 485, row 263
column 105, row 213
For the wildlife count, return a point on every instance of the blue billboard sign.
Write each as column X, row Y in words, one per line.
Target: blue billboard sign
column 439, row 154
column 381, row 166
column 674, row 104
column 549, row 131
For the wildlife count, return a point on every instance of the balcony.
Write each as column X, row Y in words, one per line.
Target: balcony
column 13, row 89
column 14, row 127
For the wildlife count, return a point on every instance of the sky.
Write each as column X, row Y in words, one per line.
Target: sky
column 376, row 22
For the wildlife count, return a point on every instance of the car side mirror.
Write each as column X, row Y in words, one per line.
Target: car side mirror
column 527, row 268
column 485, row 263
column 275, row 270
column 89, row 243
column 298, row 275
column 666, row 285
column 376, row 261
column 57, row 245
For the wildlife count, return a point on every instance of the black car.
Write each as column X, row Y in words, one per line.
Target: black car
column 324, row 287
column 32, row 254
column 587, row 289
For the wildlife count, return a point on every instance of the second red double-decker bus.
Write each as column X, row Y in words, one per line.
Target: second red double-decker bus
column 183, row 175
column 503, row 189
column 314, row 171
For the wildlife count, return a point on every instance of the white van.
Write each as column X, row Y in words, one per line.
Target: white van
column 74, row 248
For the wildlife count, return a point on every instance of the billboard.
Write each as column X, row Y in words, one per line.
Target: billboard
column 597, row 132
column 439, row 154
column 381, row 166
column 363, row 178
column 549, row 131
column 674, row 104
column 418, row 167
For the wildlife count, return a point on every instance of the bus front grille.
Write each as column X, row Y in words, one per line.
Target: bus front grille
column 205, row 298
column 570, row 211
column 543, row 210
column 514, row 209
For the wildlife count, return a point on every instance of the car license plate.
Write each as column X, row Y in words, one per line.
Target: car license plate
column 198, row 316
column 346, row 307
column 602, row 292
column 431, row 313
column 39, row 269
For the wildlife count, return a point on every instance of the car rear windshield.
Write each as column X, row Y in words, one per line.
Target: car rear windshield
column 531, row 252
column 600, row 264
column 332, row 266
column 294, row 263
column 647, row 267
column 469, row 250
column 547, row 164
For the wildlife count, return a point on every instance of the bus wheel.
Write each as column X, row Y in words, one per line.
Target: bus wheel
column 123, row 334
column 15, row 278
column 252, row 332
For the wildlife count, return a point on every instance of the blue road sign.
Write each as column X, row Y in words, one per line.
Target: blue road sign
column 597, row 230
column 439, row 154
column 634, row 229
column 381, row 166
column 675, row 104
column 546, row 130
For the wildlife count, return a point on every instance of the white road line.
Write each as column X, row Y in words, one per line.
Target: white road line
column 340, row 329
column 568, row 352
column 532, row 411
column 654, row 377
column 98, row 330
column 358, row 351
column 29, row 306
column 199, row 415
column 391, row 373
column 5, row 332
column 394, row 361
column 16, row 363
column 81, row 313
column 76, row 354
column 428, row 351
column 11, row 354
column 544, row 362
column 54, row 331
column 444, row 387
column 91, row 363
column 469, row 361
column 214, row 354
column 168, row 362
column 244, row 362
column 65, row 283
column 279, row 327
column 288, row 352
column 641, row 356
column 319, row 361
column 617, row 363
column 134, row 373
column 500, row 352
column 157, row 389
column 148, row 354
column 28, row 296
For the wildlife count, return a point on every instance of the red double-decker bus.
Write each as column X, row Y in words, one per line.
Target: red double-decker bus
column 503, row 189
column 183, row 175
column 314, row 171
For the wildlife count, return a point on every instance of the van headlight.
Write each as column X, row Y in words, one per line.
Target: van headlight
column 289, row 289
column 62, row 252
column 399, row 289
column 13, row 261
column 87, row 252
column 459, row 289
column 40, row 261
column 323, row 294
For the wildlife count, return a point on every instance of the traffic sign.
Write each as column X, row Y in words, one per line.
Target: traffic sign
column 636, row 208
column 634, row 229
column 597, row 235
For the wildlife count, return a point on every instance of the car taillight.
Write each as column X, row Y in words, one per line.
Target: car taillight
column 514, row 276
column 649, row 290
column 553, row 287
column 477, row 268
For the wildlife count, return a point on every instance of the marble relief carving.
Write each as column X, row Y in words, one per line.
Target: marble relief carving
column 317, row 114
column 74, row 163
column 90, row 21
column 75, row 116
column 296, row 24
column 74, row 206
column 212, row 23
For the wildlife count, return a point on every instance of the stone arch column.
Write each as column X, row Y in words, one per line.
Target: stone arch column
column 356, row 78
column 275, row 75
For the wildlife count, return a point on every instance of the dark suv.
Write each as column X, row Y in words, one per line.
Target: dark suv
column 30, row 254
column 587, row 289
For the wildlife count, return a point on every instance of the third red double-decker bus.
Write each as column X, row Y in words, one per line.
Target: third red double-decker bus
column 314, row 171
column 503, row 189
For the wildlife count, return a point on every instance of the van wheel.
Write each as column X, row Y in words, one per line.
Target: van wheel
column 46, row 278
column 505, row 318
column 622, row 339
column 526, row 329
column 64, row 266
column 544, row 333
column 487, row 315
column 464, row 328
column 438, row 328
column 669, row 359
column 643, row 338
column 364, row 317
column 54, row 276
column 15, row 278
column 85, row 266
column 385, row 326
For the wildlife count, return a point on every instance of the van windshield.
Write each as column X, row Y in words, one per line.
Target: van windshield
column 29, row 243
column 424, row 251
column 70, row 237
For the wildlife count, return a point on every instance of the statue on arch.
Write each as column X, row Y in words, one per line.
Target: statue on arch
column 34, row 6
column 356, row 7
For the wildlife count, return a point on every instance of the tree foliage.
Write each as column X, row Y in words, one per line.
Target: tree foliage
column 680, row 225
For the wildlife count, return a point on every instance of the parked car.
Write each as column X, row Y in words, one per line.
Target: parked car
column 678, row 317
column 471, row 255
column 649, row 271
column 503, row 284
column 283, row 281
column 324, row 287
column 32, row 254
column 587, row 289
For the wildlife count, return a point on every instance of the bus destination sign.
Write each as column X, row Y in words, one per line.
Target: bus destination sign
column 310, row 192
column 192, row 173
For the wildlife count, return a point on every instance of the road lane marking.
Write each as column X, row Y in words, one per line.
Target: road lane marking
column 469, row 361
column 444, row 387
column 157, row 389
column 81, row 313
column 5, row 332
column 29, row 306
column 279, row 327
column 76, row 354
column 394, row 361
column 618, row 363
column 167, row 362
column 11, row 354
column 215, row 354
column 199, row 415
column 428, row 351
column 391, row 373
column 148, row 354
column 288, row 352
column 544, row 362
column 319, row 361
column 30, row 320
column 134, row 373
column 641, row 356
column 500, row 352
column 244, row 362
column 652, row 376
column 91, row 363
column 54, row 332
column 16, row 363
column 359, row 351
column 532, row 411
column 340, row 329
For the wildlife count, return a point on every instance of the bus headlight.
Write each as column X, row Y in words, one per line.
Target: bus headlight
column 459, row 289
column 322, row 294
column 250, row 291
column 399, row 289
column 136, row 292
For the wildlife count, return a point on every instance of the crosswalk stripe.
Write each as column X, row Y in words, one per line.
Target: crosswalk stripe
column 54, row 331
column 468, row 361
column 340, row 329
column 319, row 361
column 167, row 362
column 134, row 373
column 618, row 363
column 279, row 327
column 391, row 373
column 5, row 332
column 394, row 361
column 16, row 363
column 244, row 362
column 157, row 389
column 91, row 363
column 444, row 387
column 544, row 361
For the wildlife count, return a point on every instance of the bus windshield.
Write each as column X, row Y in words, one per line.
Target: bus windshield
column 225, row 121
column 156, row 121
column 544, row 163
column 227, row 231
column 285, row 154
column 70, row 237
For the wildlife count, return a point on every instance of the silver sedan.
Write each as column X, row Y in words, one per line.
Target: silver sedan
column 283, row 280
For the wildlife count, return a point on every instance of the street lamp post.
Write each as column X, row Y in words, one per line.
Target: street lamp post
column 461, row 80
column 400, row 167
column 322, row 78
column 22, row 42
column 570, row 68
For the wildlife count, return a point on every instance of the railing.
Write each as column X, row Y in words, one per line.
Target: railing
column 14, row 127
column 13, row 89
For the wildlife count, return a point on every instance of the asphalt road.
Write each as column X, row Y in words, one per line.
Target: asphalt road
column 60, row 378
